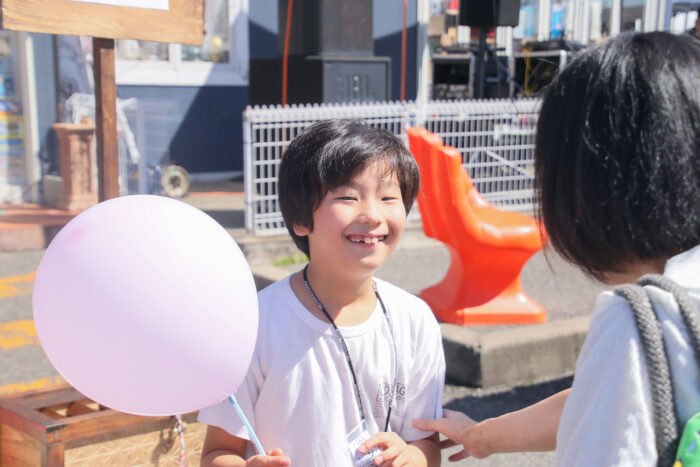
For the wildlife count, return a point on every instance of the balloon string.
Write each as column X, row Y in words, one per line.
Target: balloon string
column 181, row 435
column 251, row 432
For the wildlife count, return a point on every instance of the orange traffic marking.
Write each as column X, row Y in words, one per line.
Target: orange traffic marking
column 18, row 334
column 32, row 385
column 17, row 285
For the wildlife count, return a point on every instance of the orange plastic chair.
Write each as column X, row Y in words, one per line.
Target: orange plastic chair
column 488, row 246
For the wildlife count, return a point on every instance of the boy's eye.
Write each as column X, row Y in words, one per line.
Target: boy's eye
column 346, row 198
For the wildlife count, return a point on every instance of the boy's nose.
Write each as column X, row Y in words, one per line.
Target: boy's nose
column 370, row 213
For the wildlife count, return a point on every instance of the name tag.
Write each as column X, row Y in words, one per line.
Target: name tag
column 357, row 436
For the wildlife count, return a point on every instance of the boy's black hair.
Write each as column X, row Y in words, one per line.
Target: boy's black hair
column 327, row 155
column 617, row 153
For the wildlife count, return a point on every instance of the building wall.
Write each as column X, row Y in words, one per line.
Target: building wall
column 262, row 28
column 199, row 127
column 387, row 25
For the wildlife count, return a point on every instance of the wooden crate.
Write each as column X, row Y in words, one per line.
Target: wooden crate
column 59, row 426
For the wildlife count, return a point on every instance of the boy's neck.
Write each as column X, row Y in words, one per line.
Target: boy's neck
column 349, row 300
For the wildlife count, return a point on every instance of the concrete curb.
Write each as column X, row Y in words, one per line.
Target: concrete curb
column 259, row 251
column 491, row 358
column 515, row 355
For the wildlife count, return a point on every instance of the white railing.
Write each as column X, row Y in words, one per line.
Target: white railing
column 495, row 137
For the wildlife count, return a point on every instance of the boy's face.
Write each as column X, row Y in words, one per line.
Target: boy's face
column 357, row 226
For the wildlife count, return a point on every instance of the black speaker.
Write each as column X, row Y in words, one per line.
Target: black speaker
column 489, row 13
column 328, row 27
column 317, row 79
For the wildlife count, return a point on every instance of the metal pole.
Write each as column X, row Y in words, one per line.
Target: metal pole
column 481, row 65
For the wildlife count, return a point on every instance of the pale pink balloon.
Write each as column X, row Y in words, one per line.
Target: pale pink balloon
column 146, row 304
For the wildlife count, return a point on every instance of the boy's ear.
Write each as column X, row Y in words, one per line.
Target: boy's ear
column 301, row 230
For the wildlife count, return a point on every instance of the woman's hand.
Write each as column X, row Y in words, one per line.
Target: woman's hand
column 459, row 429
column 533, row 428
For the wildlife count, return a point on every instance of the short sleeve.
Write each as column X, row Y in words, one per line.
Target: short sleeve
column 224, row 416
column 427, row 381
column 607, row 418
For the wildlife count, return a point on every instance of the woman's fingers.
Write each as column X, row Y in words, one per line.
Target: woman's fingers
column 447, row 443
column 426, row 425
column 458, row 456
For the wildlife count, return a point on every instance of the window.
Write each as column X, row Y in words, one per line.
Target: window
column 562, row 19
column 222, row 59
column 601, row 16
column 683, row 17
column 529, row 17
column 632, row 15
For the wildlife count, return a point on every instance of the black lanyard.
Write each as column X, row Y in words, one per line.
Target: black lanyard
column 347, row 354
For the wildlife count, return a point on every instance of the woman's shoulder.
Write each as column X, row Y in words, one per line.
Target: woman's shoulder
column 611, row 314
column 612, row 338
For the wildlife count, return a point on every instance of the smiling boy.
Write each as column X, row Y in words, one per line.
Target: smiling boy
column 343, row 360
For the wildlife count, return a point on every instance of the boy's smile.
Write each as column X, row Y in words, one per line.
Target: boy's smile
column 367, row 240
column 358, row 225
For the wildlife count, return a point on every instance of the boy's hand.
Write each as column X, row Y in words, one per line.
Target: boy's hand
column 274, row 458
column 395, row 451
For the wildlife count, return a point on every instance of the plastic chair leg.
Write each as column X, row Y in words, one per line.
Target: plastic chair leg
column 510, row 306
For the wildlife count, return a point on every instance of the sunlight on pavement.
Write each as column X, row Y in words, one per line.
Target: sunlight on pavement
column 17, row 285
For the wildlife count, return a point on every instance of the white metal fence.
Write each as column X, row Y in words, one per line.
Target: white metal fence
column 495, row 137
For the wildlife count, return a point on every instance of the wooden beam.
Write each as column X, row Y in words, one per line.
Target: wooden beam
column 106, row 118
column 182, row 23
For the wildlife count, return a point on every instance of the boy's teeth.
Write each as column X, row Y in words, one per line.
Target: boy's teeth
column 367, row 240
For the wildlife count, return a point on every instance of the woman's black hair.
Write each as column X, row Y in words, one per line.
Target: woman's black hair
column 617, row 153
column 327, row 155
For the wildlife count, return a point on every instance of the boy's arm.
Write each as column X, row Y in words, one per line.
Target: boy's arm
column 430, row 447
column 222, row 449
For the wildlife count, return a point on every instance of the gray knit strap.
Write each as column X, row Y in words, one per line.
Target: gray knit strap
column 689, row 311
column 650, row 334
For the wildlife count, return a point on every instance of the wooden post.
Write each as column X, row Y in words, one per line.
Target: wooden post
column 106, row 118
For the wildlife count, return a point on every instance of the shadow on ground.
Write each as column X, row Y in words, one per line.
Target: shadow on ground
column 228, row 219
column 480, row 404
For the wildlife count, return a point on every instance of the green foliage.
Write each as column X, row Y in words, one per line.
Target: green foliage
column 295, row 258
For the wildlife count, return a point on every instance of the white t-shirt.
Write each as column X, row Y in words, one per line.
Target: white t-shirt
column 607, row 419
column 299, row 394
